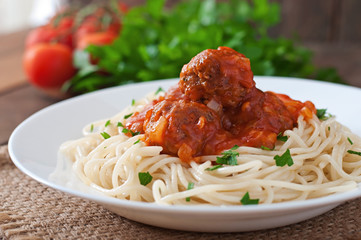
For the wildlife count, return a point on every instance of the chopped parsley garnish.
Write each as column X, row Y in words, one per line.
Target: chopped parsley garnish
column 137, row 141
column 190, row 186
column 235, row 147
column 349, row 140
column 133, row 102
column 130, row 131
column 266, row 148
column 128, row 116
column 322, row 114
column 126, row 130
column 246, row 200
column 144, row 178
column 160, row 89
column 282, row 138
column 134, row 133
column 229, row 157
column 354, row 152
column 92, row 128
column 284, row 159
column 105, row 135
column 107, row 123
column 119, row 124
column 213, row 168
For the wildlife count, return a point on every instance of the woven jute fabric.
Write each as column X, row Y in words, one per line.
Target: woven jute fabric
column 30, row 210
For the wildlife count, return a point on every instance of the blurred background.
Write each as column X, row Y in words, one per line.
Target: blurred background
column 331, row 29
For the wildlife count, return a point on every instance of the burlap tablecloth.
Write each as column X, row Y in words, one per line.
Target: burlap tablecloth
column 30, row 210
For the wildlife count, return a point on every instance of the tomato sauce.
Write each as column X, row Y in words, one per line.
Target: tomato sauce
column 215, row 106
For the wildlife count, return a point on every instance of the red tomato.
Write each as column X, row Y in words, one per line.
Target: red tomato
column 60, row 33
column 92, row 25
column 48, row 65
column 123, row 7
column 64, row 23
column 48, row 35
column 97, row 38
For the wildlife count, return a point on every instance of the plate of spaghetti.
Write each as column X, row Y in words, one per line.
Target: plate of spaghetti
column 215, row 150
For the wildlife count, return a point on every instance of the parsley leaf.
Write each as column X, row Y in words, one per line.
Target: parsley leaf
column 133, row 102
column 282, row 138
column 349, row 140
column 92, row 128
column 235, row 147
column 213, row 168
column 158, row 91
column 128, row 116
column 137, row 141
column 125, row 130
column 284, row 159
column 119, row 124
column 354, row 152
column 144, row 178
column 134, row 133
column 246, row 200
column 229, row 158
column 130, row 131
column 266, row 148
column 105, row 135
column 322, row 114
column 107, row 123
column 190, row 186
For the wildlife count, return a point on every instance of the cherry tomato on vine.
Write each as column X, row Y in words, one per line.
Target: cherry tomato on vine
column 52, row 33
column 97, row 38
column 93, row 25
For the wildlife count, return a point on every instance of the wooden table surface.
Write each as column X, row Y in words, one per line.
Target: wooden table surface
column 18, row 99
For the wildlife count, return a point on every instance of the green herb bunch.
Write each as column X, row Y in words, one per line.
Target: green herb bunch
column 156, row 42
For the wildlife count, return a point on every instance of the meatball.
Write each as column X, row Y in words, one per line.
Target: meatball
column 182, row 128
column 222, row 74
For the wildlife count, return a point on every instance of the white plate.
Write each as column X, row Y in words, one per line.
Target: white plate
column 34, row 144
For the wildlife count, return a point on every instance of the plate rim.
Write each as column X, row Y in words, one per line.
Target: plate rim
column 184, row 209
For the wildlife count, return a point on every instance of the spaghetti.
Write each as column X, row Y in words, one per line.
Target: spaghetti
column 322, row 166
